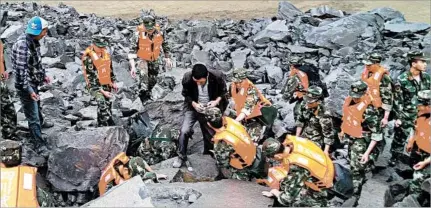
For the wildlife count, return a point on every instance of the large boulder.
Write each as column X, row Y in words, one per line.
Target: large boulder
column 288, row 11
column 78, row 157
column 276, row 31
column 201, row 31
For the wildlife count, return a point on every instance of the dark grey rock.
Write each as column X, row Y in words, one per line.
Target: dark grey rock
column 239, row 57
column 276, row 31
column 406, row 27
column 13, row 32
column 201, row 31
column 409, row 201
column 275, row 74
column 288, row 11
column 389, row 14
column 325, row 11
column 200, row 56
column 301, row 49
column 396, row 192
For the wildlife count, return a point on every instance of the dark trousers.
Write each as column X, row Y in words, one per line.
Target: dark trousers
column 190, row 118
column 33, row 113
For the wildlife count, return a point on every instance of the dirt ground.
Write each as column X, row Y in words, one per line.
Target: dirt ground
column 415, row 11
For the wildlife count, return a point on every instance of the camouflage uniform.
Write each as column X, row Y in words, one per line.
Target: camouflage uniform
column 315, row 121
column 293, row 85
column 159, row 147
column 419, row 176
column 254, row 127
column 104, row 105
column 405, row 105
column 8, row 117
column 358, row 146
column 148, row 71
column 11, row 153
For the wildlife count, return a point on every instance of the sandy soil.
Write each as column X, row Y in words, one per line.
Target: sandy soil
column 415, row 11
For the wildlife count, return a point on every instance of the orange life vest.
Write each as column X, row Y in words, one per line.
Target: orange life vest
column 303, row 78
column 373, row 83
column 102, row 62
column 109, row 174
column 236, row 135
column 422, row 136
column 275, row 176
column 240, row 97
column 149, row 50
column 2, row 68
column 18, row 186
column 353, row 116
column 308, row 155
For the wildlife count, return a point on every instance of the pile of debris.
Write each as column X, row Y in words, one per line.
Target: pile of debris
column 332, row 40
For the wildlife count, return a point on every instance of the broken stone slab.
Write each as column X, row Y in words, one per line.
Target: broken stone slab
column 198, row 56
column 88, row 113
column 86, row 153
column 301, row 49
column 325, row 11
column 389, row 14
column 406, row 27
column 201, row 31
column 239, row 57
column 396, row 192
column 276, row 31
column 216, row 47
column 13, row 32
column 275, row 74
column 288, row 11
column 409, row 201
column 126, row 194
column 224, row 193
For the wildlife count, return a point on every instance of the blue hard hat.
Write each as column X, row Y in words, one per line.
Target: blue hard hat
column 36, row 25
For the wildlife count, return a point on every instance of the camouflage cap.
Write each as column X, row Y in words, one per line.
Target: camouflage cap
column 101, row 40
column 424, row 96
column 295, row 60
column 358, row 89
column 212, row 114
column 417, row 55
column 239, row 74
column 149, row 21
column 373, row 58
column 10, row 152
column 314, row 93
column 270, row 147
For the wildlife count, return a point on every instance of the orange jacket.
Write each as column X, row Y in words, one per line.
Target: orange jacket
column 240, row 97
column 2, row 67
column 18, row 186
column 101, row 61
column 110, row 173
column 353, row 116
column 422, row 136
column 149, row 50
column 373, row 82
column 303, row 78
column 236, row 135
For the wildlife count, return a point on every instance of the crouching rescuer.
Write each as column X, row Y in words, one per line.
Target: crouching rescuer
column 236, row 155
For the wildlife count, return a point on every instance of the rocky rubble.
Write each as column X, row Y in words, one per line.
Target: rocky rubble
column 332, row 40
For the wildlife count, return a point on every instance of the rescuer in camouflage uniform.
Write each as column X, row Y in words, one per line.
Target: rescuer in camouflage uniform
column 159, row 147
column 293, row 85
column 148, row 70
column 293, row 192
column 8, row 114
column 314, row 121
column 407, row 86
column 372, row 66
column 362, row 150
column 223, row 153
column 11, row 153
column 254, row 126
column 102, row 93
column 422, row 168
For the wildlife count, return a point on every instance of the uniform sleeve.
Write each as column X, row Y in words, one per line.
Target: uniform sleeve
column 292, row 185
column 250, row 101
column 372, row 123
column 300, row 121
column 326, row 123
column 165, row 46
column 223, row 152
column 398, row 100
column 93, row 81
column 386, row 93
column 290, row 87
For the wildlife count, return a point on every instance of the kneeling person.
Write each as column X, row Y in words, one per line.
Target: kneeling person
column 159, row 147
column 236, row 155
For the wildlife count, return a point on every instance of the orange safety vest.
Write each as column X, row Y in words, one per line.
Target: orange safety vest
column 373, row 83
column 109, row 174
column 2, row 68
column 18, row 186
column 236, row 135
column 102, row 64
column 308, row 155
column 240, row 97
column 353, row 116
column 422, row 136
column 275, row 176
column 304, row 80
column 149, row 50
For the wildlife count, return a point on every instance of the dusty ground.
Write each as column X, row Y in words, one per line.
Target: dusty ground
column 416, row 11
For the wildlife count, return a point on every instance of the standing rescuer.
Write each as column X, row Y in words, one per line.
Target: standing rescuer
column 148, row 42
column 100, row 78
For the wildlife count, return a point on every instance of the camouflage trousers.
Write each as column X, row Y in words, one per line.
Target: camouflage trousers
column 137, row 166
column 8, row 117
column 254, row 129
column 401, row 136
column 104, row 111
column 297, row 109
column 148, row 72
column 154, row 152
column 45, row 198
column 419, row 176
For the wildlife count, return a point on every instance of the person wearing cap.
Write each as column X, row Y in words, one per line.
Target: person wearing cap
column 314, row 120
column 29, row 75
column 202, row 88
column 147, row 43
column 419, row 145
column 160, row 146
column 361, row 128
column 8, row 117
column 236, row 155
column 18, row 181
column 407, row 86
column 100, row 78
column 248, row 101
